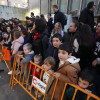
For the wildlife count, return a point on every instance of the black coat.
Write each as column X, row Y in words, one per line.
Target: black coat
column 59, row 17
column 41, row 43
column 87, row 17
column 50, row 25
column 68, row 37
column 53, row 52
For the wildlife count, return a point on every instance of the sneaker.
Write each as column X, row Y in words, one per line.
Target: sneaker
column 9, row 73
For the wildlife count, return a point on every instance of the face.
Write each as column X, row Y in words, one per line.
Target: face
column 56, row 26
column 72, row 28
column 83, row 84
column 19, row 28
column 26, row 50
column 98, row 28
column 36, row 61
column 56, row 42
column 8, row 29
column 14, row 25
column 48, row 16
column 55, row 10
column 47, row 66
column 63, row 55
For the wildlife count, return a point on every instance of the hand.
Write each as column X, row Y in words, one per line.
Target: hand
column 57, row 75
column 95, row 62
column 50, row 72
column 37, row 69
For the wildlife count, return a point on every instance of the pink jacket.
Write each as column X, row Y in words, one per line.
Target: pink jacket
column 16, row 44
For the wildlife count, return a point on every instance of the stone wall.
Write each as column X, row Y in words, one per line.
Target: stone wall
column 8, row 12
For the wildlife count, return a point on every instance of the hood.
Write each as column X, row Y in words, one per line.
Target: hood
column 20, row 40
column 73, row 60
column 32, row 52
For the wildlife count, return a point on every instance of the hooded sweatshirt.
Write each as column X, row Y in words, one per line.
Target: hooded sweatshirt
column 16, row 44
column 68, row 70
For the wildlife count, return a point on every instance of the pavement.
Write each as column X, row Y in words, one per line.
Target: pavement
column 5, row 90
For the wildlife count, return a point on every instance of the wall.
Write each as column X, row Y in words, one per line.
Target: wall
column 7, row 12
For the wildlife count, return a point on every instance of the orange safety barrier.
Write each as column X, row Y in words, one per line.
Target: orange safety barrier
column 37, row 83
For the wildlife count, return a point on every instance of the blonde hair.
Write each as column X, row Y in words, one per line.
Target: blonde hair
column 28, row 45
column 51, row 61
column 58, row 30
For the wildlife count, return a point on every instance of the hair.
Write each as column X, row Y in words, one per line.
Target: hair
column 39, row 26
column 85, row 36
column 42, row 16
column 17, row 34
column 90, row 5
column 22, row 27
column 27, row 18
column 57, row 30
column 87, row 75
column 55, row 6
column 49, row 14
column 39, row 57
column 32, row 13
column 66, row 47
column 57, row 36
column 24, row 32
column 51, row 61
column 76, row 23
column 28, row 45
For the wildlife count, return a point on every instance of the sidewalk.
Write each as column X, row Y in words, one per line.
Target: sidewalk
column 5, row 91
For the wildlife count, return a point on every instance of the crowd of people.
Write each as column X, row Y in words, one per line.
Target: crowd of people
column 72, row 57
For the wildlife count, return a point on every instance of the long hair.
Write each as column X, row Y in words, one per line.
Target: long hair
column 54, row 31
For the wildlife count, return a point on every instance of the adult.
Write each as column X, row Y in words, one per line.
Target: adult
column 87, row 15
column 40, row 37
column 97, row 31
column 59, row 16
column 68, row 36
column 49, row 23
column 84, row 46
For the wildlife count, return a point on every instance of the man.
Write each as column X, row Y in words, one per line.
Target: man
column 87, row 15
column 59, row 16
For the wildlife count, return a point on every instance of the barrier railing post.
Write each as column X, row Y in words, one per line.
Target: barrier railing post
column 54, row 89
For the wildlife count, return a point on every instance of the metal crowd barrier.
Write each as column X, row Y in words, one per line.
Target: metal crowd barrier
column 37, row 83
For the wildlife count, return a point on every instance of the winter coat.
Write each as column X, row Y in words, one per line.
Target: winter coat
column 87, row 17
column 26, row 40
column 80, row 95
column 40, row 44
column 69, row 73
column 28, row 57
column 53, row 52
column 16, row 44
column 50, row 25
column 59, row 17
column 68, row 37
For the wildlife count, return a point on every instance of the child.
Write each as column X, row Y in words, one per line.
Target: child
column 53, row 48
column 67, row 72
column 85, row 82
column 18, row 41
column 38, row 61
column 49, row 64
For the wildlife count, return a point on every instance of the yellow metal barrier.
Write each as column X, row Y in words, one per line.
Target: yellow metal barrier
column 19, row 78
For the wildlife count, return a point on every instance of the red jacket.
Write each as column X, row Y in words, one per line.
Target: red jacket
column 37, row 71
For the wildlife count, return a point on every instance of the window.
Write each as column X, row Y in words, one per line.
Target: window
column 15, row 3
column 75, row 5
column 63, row 6
column 53, row 2
column 44, row 6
